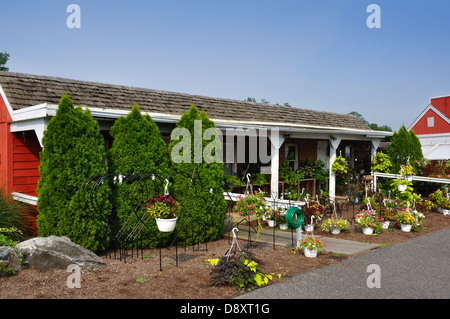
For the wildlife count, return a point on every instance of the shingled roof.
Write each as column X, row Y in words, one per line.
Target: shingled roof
column 24, row 90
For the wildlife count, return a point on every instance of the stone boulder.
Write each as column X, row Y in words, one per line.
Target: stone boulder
column 9, row 261
column 45, row 253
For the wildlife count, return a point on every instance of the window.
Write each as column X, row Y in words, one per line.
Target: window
column 430, row 121
column 292, row 156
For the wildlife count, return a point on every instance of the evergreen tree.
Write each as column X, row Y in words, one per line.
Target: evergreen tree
column 404, row 144
column 200, row 158
column 138, row 147
column 73, row 151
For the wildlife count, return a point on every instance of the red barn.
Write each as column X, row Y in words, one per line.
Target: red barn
column 432, row 127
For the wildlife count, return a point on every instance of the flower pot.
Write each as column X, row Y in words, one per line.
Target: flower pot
column 406, row 228
column 166, row 225
column 402, row 187
column 368, row 231
column 409, row 178
column 310, row 253
column 444, row 211
column 271, row 223
column 385, row 224
column 335, row 231
column 309, row 227
column 283, row 226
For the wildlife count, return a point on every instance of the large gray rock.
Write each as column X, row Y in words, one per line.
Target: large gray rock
column 45, row 253
column 9, row 261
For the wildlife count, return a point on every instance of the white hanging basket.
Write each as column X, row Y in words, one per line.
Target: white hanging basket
column 406, row 228
column 309, row 227
column 385, row 224
column 271, row 223
column 402, row 187
column 335, row 231
column 310, row 253
column 368, row 231
column 166, row 225
column 283, row 226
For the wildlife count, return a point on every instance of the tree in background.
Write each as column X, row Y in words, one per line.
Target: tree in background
column 404, row 144
column 373, row 126
column 4, row 57
column 138, row 147
column 73, row 151
column 209, row 175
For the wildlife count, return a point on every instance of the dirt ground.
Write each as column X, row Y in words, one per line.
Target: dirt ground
column 142, row 279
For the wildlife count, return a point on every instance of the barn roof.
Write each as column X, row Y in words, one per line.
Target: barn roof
column 25, row 90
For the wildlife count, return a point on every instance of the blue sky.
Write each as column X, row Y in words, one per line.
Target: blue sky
column 312, row 54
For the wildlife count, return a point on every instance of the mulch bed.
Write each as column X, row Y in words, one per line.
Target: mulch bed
column 141, row 278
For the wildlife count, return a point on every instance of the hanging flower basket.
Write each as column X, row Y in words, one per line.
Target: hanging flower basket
column 402, row 187
column 405, row 227
column 271, row 223
column 368, row 231
column 166, row 225
column 310, row 253
column 340, row 164
column 164, row 208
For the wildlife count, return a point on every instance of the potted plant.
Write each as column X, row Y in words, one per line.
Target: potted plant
column 442, row 201
column 251, row 205
column 164, row 208
column 407, row 172
column 281, row 219
column 406, row 219
column 335, row 226
column 313, row 208
column 369, row 222
column 311, row 246
column 271, row 217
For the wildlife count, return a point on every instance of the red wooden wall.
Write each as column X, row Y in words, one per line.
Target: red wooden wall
column 26, row 162
column 442, row 104
column 6, row 180
column 440, row 125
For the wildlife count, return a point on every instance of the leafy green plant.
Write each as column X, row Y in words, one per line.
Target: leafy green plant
column 239, row 268
column 331, row 223
column 259, row 179
column 15, row 215
column 6, row 239
column 312, row 243
column 208, row 215
column 381, row 163
column 162, row 206
column 367, row 218
column 73, row 151
column 138, row 147
column 340, row 165
column 405, row 217
column 251, row 205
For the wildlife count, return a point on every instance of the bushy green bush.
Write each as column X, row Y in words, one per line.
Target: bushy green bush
column 73, row 151
column 201, row 161
column 138, row 147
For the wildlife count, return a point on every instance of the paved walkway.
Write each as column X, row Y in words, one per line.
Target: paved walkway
column 288, row 238
column 415, row 269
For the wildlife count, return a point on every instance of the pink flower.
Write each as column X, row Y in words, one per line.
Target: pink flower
column 251, row 212
column 439, row 175
column 239, row 212
column 376, row 217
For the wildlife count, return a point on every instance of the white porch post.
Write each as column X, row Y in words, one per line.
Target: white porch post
column 334, row 144
column 275, row 143
column 375, row 144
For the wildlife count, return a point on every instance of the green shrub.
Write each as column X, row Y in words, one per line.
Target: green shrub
column 14, row 215
column 209, row 208
column 138, row 147
column 73, row 151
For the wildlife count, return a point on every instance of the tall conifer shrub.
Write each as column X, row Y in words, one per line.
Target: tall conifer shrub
column 73, row 151
column 138, row 147
column 209, row 175
column 404, row 144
